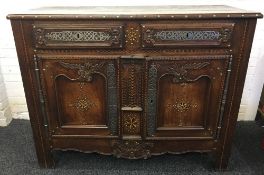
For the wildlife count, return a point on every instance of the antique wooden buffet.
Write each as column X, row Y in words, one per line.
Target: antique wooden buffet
column 134, row 81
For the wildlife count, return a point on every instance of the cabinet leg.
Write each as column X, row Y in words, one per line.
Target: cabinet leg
column 220, row 161
column 46, row 160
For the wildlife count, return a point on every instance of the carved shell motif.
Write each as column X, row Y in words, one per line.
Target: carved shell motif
column 132, row 149
column 85, row 70
column 180, row 72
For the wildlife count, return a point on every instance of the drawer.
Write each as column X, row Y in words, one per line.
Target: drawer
column 204, row 34
column 51, row 35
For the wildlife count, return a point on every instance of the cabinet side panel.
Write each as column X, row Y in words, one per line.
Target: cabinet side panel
column 244, row 34
column 22, row 38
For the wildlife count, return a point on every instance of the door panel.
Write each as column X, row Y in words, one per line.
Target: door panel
column 184, row 95
column 187, row 101
column 81, row 94
column 86, row 108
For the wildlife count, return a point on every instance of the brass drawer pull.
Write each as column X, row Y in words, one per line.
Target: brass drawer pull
column 136, row 108
column 136, row 56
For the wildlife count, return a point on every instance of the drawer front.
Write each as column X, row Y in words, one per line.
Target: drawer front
column 185, row 96
column 80, row 94
column 77, row 35
column 187, row 34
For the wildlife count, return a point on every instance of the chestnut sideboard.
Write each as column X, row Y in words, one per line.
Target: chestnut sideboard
column 134, row 82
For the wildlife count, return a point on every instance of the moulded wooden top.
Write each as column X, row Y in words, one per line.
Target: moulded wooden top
column 124, row 12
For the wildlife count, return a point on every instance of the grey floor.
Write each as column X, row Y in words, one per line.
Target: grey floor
column 17, row 156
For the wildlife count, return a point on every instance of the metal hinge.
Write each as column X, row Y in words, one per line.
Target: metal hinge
column 40, row 92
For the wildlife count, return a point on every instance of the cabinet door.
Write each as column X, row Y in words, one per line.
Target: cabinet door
column 80, row 94
column 185, row 96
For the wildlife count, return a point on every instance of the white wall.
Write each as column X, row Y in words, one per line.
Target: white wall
column 9, row 68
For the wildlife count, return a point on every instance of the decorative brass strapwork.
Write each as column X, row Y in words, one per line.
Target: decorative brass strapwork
column 154, row 36
column 182, row 105
column 152, row 98
column 78, row 36
column 112, row 98
column 180, row 71
column 187, row 35
column 85, row 70
column 109, row 36
column 82, row 104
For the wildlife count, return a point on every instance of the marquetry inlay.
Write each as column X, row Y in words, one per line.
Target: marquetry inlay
column 182, row 106
column 82, row 104
column 132, row 36
column 131, row 123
